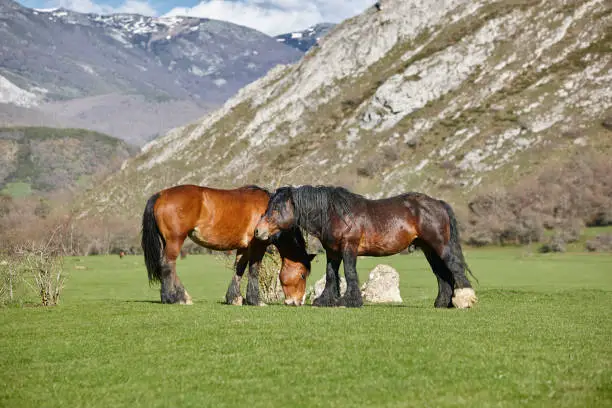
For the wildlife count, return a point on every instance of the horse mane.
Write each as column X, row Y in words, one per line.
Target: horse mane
column 315, row 206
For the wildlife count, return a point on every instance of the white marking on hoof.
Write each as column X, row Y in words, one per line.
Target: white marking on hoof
column 289, row 302
column 262, row 304
column 187, row 300
column 239, row 301
column 464, row 298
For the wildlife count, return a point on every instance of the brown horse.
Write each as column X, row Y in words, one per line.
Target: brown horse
column 221, row 220
column 349, row 225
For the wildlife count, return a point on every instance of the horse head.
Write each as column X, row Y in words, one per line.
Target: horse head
column 279, row 216
column 296, row 264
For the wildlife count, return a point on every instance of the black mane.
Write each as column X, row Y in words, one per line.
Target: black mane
column 316, row 206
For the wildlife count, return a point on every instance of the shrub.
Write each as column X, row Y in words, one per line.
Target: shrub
column 44, row 265
column 601, row 243
column 32, row 267
column 555, row 244
column 480, row 237
column 562, row 197
column 270, row 288
column 11, row 280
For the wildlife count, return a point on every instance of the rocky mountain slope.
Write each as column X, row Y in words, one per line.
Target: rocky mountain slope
column 305, row 39
column 40, row 160
column 442, row 97
column 170, row 70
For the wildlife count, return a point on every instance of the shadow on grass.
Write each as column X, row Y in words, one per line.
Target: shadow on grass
column 309, row 306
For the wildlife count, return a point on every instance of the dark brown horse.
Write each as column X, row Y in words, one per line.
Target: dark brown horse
column 221, row 220
column 349, row 225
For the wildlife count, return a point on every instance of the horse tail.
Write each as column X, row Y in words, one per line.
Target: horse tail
column 153, row 242
column 454, row 244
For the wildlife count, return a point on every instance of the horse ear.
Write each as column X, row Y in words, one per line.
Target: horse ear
column 311, row 256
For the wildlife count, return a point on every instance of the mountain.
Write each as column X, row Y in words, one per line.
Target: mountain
column 40, row 160
column 305, row 39
column 79, row 68
column 443, row 97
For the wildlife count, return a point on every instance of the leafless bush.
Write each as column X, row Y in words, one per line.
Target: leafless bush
column 563, row 197
column 22, row 220
column 556, row 243
column 270, row 287
column 601, row 243
column 11, row 280
column 33, row 267
column 44, row 263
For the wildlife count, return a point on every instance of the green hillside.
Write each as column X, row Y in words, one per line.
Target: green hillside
column 42, row 160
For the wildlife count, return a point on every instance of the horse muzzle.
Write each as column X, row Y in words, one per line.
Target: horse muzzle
column 262, row 235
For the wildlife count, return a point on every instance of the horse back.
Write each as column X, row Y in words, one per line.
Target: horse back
column 214, row 218
column 387, row 226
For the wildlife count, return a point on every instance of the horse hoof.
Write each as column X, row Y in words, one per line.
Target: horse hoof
column 238, row 301
column 350, row 302
column 464, row 298
column 323, row 302
column 186, row 301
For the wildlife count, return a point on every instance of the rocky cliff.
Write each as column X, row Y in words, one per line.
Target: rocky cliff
column 437, row 96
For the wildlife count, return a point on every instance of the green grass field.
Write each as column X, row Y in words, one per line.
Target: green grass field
column 540, row 336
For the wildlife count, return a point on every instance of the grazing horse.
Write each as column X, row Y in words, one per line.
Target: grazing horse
column 221, row 220
column 349, row 225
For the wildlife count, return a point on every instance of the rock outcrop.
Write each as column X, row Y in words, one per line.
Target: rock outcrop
column 435, row 96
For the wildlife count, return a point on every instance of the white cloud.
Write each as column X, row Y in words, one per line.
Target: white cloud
column 269, row 16
column 88, row 6
column 275, row 16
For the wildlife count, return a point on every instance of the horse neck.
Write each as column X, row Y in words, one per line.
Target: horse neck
column 313, row 228
column 316, row 208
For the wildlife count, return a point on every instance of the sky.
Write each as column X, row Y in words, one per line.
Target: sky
column 269, row 16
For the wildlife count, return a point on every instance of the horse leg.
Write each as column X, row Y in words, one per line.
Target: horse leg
column 331, row 292
column 464, row 295
column 452, row 255
column 352, row 297
column 454, row 287
column 256, row 254
column 172, row 290
column 233, row 296
column 445, row 279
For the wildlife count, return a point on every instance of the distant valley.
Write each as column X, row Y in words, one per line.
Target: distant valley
column 131, row 76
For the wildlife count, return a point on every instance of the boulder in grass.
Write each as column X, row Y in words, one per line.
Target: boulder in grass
column 382, row 286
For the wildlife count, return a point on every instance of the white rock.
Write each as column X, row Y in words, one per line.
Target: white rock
column 382, row 286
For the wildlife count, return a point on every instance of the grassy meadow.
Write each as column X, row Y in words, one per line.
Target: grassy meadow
column 540, row 336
